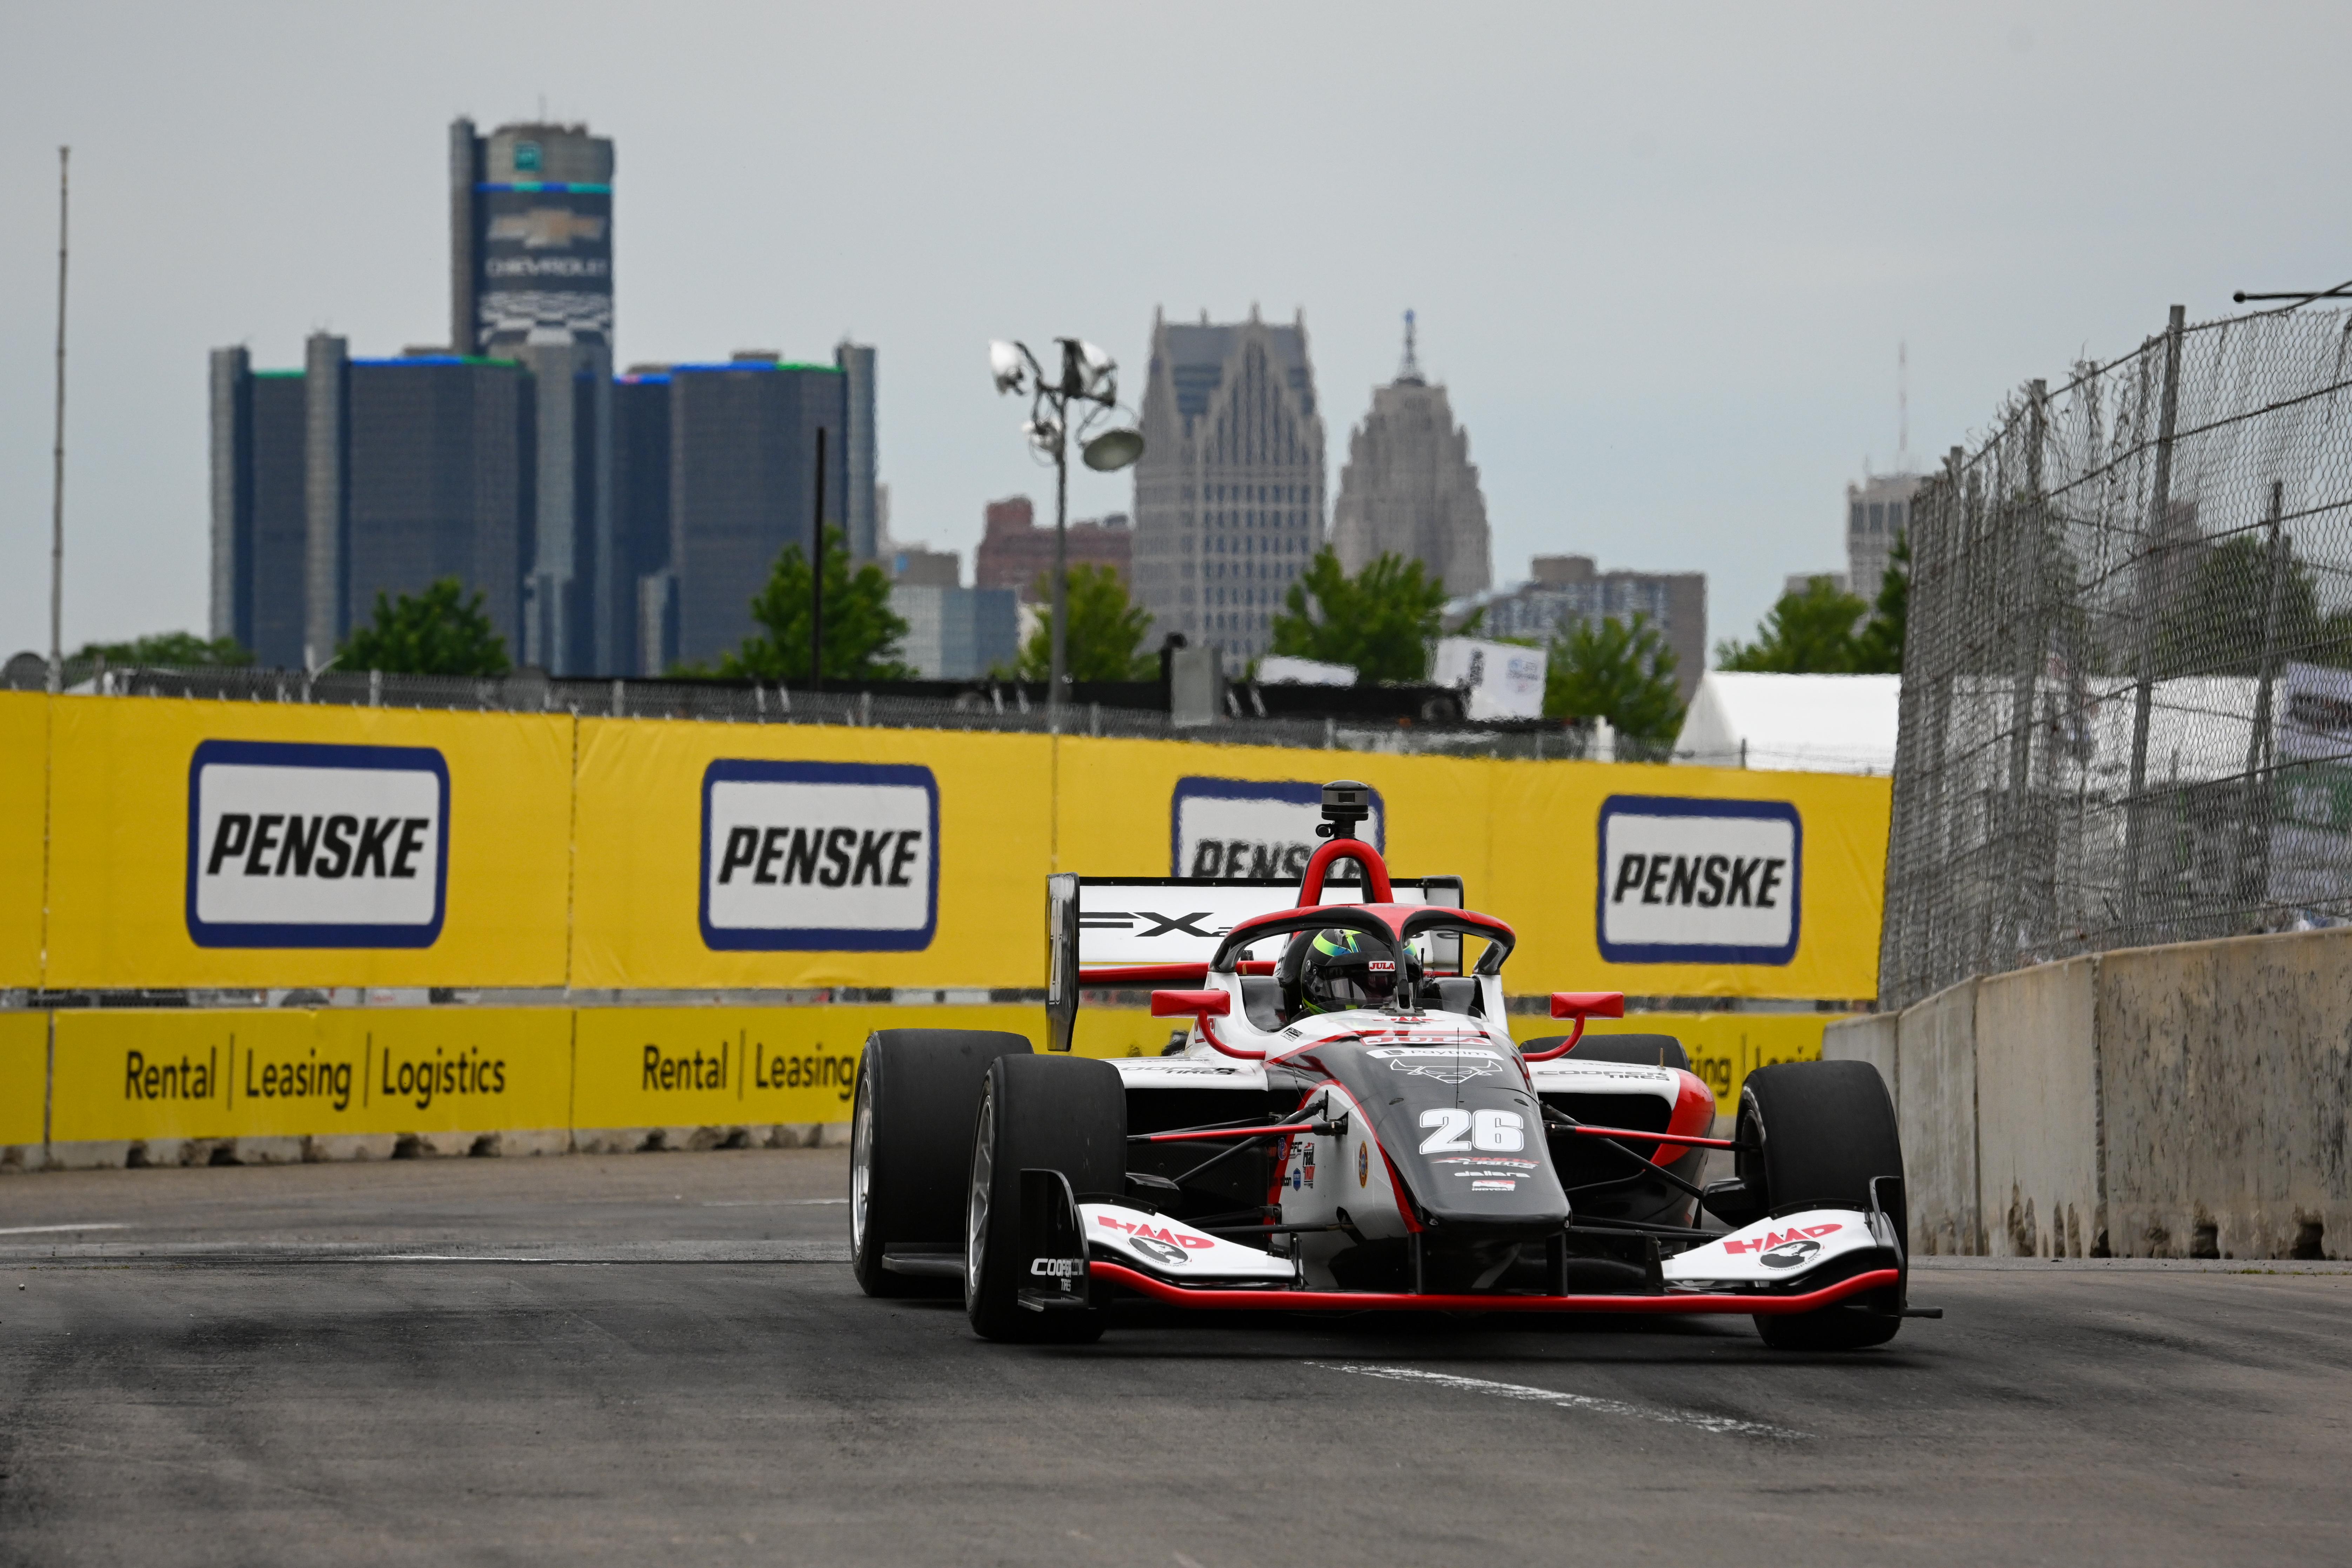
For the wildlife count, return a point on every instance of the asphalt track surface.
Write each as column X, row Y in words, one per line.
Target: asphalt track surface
column 659, row 1357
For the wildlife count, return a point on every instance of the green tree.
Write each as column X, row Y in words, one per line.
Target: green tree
column 1620, row 671
column 1878, row 646
column 1382, row 620
column 2216, row 622
column 1807, row 634
column 437, row 633
column 862, row 636
column 1106, row 630
column 170, row 650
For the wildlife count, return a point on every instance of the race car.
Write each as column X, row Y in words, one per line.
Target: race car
column 1346, row 1124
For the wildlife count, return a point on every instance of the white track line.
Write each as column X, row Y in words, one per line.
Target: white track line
column 45, row 1230
column 767, row 1202
column 1565, row 1401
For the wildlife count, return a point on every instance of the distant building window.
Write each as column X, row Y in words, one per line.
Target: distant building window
column 1877, row 517
column 1854, row 523
column 1894, row 516
column 526, row 157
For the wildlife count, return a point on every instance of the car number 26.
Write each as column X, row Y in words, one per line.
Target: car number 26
column 1493, row 1132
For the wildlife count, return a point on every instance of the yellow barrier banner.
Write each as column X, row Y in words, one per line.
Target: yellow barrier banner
column 727, row 1066
column 1687, row 882
column 224, row 844
column 792, row 856
column 288, row 1072
column 1655, row 881
column 24, row 805
column 23, row 1075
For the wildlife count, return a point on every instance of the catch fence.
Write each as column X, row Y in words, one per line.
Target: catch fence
column 2126, row 706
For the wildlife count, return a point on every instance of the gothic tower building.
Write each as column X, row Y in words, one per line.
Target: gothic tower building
column 1410, row 488
column 1229, row 492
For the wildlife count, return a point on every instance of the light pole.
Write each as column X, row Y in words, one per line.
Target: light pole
column 1089, row 379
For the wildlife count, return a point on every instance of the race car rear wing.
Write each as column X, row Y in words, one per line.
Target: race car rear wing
column 1145, row 931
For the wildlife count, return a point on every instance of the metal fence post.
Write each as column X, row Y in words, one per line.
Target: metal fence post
column 2254, row 822
column 2157, row 547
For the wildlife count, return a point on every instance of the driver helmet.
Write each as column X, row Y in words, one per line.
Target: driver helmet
column 1331, row 971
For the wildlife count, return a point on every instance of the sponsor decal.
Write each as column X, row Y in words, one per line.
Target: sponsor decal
column 819, row 856
column 1687, row 881
column 1790, row 1254
column 1158, row 1252
column 1145, row 1232
column 1363, row 1165
column 1445, row 1063
column 1485, row 1164
column 1243, row 828
column 1493, row 1187
column 1773, row 1240
column 1058, row 1268
column 296, row 845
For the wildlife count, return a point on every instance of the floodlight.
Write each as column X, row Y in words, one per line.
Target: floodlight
column 1099, row 368
column 1004, row 364
column 1042, row 433
column 1113, row 450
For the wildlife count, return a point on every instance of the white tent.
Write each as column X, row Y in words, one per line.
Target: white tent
column 1807, row 724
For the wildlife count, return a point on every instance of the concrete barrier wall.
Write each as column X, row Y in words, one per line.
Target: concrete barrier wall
column 2186, row 1101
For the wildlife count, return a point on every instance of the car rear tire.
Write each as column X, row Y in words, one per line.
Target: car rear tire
column 910, row 1146
column 1036, row 1112
column 1818, row 1134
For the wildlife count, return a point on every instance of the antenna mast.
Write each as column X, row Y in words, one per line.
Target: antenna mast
column 57, row 461
column 1411, row 370
column 1902, row 407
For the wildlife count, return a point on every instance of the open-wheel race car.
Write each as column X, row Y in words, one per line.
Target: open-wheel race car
column 1348, row 1125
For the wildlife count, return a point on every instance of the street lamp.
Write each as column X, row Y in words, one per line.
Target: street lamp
column 1089, row 379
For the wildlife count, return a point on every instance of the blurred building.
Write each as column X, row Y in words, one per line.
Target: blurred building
column 923, row 565
column 956, row 634
column 744, row 486
column 647, row 642
column 1229, row 492
column 1408, row 488
column 1569, row 590
column 861, row 523
column 351, row 479
column 1016, row 553
column 1877, row 512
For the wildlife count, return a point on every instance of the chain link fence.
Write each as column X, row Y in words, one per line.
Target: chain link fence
column 2126, row 706
column 1006, row 708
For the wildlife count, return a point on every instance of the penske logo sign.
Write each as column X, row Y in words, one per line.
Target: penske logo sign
column 1228, row 830
column 1700, row 882
column 819, row 856
column 317, row 846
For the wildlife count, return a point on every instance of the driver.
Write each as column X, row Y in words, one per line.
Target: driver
column 1331, row 971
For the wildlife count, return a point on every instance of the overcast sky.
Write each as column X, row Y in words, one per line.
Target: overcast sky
column 1662, row 256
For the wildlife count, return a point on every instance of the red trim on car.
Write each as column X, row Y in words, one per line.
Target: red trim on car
column 1674, row 1138
column 1151, row 973
column 1282, row 1299
column 1209, row 1035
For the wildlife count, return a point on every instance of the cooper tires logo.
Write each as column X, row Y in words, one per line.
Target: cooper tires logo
column 1700, row 882
column 316, row 846
column 819, row 856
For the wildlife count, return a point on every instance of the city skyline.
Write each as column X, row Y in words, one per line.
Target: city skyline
column 1637, row 250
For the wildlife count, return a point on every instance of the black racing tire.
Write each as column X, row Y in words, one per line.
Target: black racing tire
column 910, row 1145
column 1820, row 1132
column 1036, row 1112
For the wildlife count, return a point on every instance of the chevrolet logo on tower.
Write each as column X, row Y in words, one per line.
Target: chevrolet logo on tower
column 819, row 856
column 317, row 846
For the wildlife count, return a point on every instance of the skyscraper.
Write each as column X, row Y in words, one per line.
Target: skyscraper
column 353, row 478
column 532, row 280
column 1877, row 511
column 1229, row 492
column 860, row 524
column 744, row 486
column 1410, row 488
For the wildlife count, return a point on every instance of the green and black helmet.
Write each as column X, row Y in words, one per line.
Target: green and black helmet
column 1332, row 971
